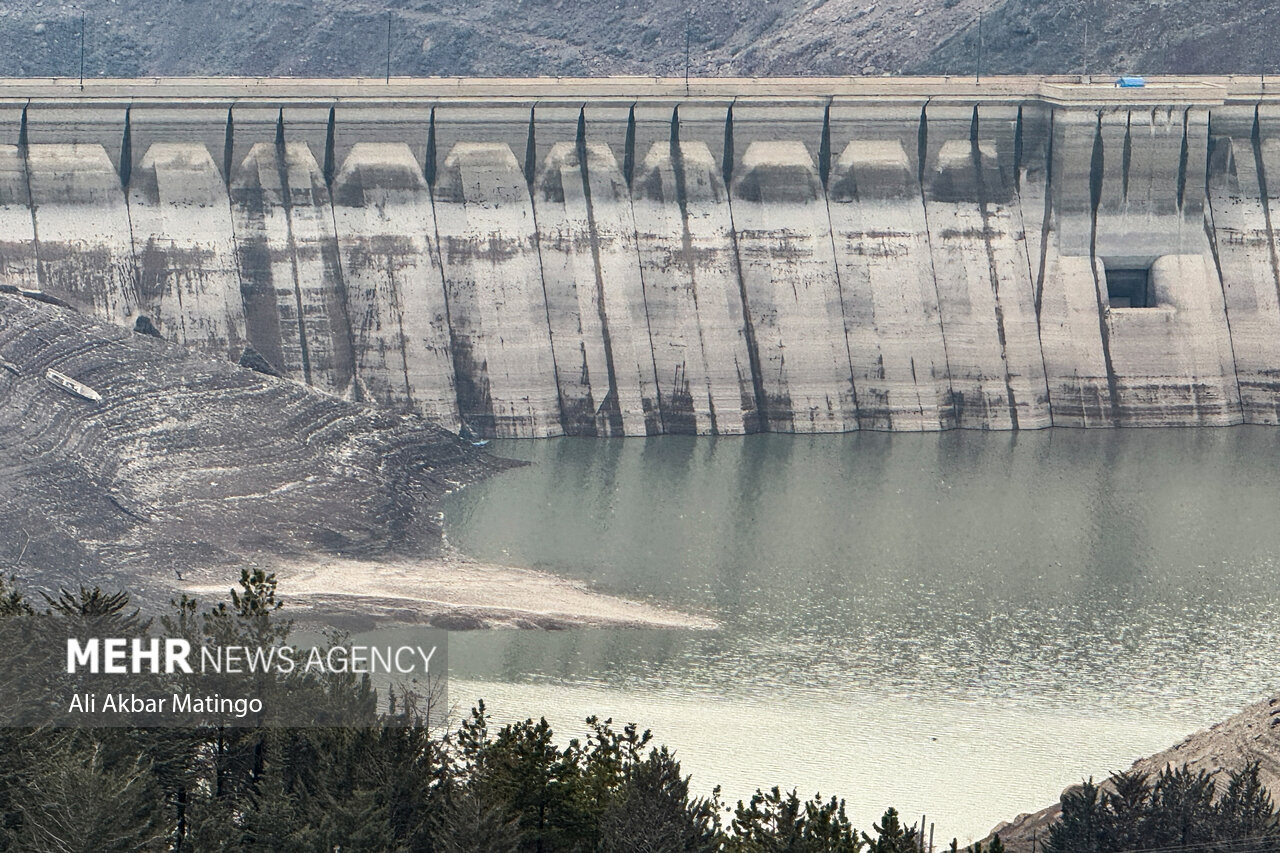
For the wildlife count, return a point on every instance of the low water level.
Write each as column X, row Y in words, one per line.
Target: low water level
column 960, row 624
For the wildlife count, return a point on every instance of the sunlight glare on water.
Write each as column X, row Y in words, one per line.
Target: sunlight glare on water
column 960, row 624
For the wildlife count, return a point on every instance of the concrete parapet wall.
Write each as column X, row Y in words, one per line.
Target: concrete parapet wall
column 628, row 258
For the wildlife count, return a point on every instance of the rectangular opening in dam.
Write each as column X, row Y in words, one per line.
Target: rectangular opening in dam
column 1129, row 287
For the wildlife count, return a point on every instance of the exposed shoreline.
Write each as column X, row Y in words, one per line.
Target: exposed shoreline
column 454, row 592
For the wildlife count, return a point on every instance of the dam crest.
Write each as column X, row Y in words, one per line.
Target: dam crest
column 630, row 256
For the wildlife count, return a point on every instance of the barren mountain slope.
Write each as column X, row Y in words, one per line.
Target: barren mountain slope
column 484, row 37
column 1109, row 37
column 595, row 37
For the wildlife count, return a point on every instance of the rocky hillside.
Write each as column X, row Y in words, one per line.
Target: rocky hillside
column 475, row 37
column 593, row 37
column 1108, row 37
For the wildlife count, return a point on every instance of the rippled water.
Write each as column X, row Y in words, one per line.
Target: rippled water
column 958, row 624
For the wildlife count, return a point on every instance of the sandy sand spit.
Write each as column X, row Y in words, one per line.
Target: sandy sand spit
column 455, row 593
column 1251, row 734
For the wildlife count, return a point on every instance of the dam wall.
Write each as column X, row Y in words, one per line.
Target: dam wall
column 640, row 256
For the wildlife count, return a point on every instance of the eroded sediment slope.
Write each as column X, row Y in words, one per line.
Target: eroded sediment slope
column 193, row 465
column 191, row 462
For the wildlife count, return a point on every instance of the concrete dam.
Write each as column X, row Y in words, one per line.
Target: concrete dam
column 644, row 256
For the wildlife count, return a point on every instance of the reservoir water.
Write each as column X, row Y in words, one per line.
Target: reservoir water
column 957, row 624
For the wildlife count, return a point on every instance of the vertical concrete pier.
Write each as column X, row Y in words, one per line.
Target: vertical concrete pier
column 892, row 322
column 394, row 282
column 1244, row 152
column 684, row 233
column 591, row 275
column 85, row 247
column 188, row 281
column 503, row 361
column 790, row 282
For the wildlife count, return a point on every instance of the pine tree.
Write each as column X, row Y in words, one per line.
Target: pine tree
column 1080, row 828
column 777, row 823
column 1181, row 811
column 653, row 813
column 79, row 801
column 1245, row 809
column 1123, row 822
column 891, row 837
column 471, row 822
column 524, row 768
